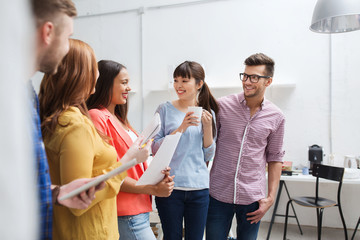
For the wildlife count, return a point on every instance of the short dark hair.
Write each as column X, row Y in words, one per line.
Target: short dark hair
column 48, row 10
column 261, row 59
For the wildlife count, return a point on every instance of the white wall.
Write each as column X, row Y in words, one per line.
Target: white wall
column 19, row 216
column 220, row 35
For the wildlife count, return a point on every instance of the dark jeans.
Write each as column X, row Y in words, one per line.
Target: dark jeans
column 220, row 217
column 192, row 206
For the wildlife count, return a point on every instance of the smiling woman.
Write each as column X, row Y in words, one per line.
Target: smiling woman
column 108, row 110
column 111, row 91
column 121, row 88
column 189, row 201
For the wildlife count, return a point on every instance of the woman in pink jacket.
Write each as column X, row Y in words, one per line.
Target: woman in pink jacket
column 108, row 110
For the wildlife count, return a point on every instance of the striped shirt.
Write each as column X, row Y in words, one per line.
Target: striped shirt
column 244, row 145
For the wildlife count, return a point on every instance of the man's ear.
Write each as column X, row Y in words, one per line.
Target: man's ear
column 47, row 32
column 268, row 81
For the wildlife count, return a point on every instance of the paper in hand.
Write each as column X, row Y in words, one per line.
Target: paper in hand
column 100, row 179
column 152, row 129
column 162, row 159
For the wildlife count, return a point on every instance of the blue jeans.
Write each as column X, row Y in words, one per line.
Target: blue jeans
column 220, row 217
column 192, row 206
column 135, row 227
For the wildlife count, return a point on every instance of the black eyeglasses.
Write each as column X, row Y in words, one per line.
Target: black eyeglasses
column 253, row 78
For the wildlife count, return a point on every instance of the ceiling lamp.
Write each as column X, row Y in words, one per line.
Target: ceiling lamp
column 336, row 16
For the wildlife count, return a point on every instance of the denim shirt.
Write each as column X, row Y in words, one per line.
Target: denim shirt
column 189, row 160
column 42, row 169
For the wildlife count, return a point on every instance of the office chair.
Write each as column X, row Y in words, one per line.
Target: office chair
column 320, row 203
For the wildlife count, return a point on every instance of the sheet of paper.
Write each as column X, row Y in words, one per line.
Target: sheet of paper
column 162, row 159
column 100, row 179
column 149, row 132
column 151, row 129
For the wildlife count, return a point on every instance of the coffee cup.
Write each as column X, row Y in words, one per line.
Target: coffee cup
column 197, row 112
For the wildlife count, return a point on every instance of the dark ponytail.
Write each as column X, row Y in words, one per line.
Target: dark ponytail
column 205, row 99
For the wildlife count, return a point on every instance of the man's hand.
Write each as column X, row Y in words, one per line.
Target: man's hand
column 264, row 205
column 84, row 199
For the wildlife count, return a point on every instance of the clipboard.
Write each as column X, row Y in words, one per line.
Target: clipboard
column 162, row 159
column 98, row 180
column 151, row 129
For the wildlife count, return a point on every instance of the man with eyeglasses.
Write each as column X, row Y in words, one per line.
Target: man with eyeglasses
column 250, row 132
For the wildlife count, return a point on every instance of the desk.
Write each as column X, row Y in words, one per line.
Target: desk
column 299, row 178
column 311, row 178
column 274, row 214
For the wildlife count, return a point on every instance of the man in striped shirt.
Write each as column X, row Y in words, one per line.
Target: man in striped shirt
column 250, row 135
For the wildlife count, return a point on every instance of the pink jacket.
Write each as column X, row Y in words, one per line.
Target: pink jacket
column 127, row 203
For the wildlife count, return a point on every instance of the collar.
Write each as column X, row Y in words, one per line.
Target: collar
column 118, row 128
column 242, row 100
column 106, row 112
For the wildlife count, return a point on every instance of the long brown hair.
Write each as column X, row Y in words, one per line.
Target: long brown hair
column 205, row 99
column 108, row 71
column 70, row 86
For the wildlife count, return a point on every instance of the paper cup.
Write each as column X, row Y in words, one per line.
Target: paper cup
column 305, row 171
column 197, row 112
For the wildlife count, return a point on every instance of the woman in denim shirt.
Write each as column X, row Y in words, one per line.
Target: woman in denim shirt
column 190, row 198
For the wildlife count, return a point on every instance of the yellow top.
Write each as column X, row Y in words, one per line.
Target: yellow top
column 76, row 150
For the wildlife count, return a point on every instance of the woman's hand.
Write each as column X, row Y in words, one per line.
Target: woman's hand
column 206, row 119
column 189, row 120
column 165, row 187
column 82, row 200
column 141, row 153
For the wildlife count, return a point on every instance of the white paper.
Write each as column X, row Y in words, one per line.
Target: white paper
column 162, row 159
column 98, row 180
column 151, row 129
column 149, row 132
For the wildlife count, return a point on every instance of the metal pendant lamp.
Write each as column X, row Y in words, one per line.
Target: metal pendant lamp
column 336, row 16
